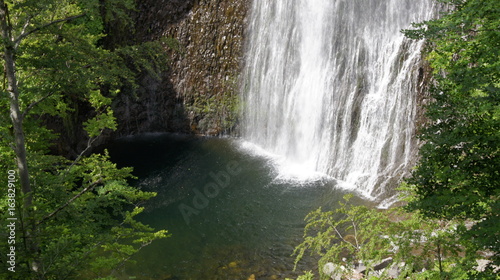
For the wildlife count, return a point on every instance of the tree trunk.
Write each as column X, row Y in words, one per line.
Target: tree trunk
column 29, row 226
column 15, row 111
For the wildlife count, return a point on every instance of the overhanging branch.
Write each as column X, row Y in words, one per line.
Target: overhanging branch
column 89, row 187
column 26, row 111
column 25, row 33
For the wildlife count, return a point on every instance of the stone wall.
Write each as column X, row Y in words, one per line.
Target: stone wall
column 196, row 92
column 203, row 70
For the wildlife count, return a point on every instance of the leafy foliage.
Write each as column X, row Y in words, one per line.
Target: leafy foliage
column 351, row 235
column 458, row 176
column 220, row 109
column 308, row 275
column 81, row 220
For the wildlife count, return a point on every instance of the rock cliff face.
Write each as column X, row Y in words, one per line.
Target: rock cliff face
column 198, row 92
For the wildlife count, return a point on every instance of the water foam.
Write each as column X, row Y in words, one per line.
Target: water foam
column 330, row 87
column 298, row 174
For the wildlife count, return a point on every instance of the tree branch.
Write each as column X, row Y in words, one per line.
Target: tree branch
column 89, row 145
column 342, row 237
column 89, row 187
column 26, row 111
column 355, row 233
column 26, row 24
column 25, row 33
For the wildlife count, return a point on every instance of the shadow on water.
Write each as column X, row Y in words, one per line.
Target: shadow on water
column 228, row 215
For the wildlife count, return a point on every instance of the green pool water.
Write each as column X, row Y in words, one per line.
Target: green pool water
column 232, row 215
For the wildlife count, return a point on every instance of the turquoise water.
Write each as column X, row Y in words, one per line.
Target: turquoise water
column 230, row 213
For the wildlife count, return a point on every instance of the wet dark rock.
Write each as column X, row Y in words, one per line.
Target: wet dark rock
column 383, row 264
column 207, row 62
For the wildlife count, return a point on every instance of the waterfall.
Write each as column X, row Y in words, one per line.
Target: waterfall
column 330, row 86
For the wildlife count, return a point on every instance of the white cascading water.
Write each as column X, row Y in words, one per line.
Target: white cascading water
column 331, row 87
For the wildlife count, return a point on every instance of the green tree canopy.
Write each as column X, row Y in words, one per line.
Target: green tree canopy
column 458, row 176
column 75, row 218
